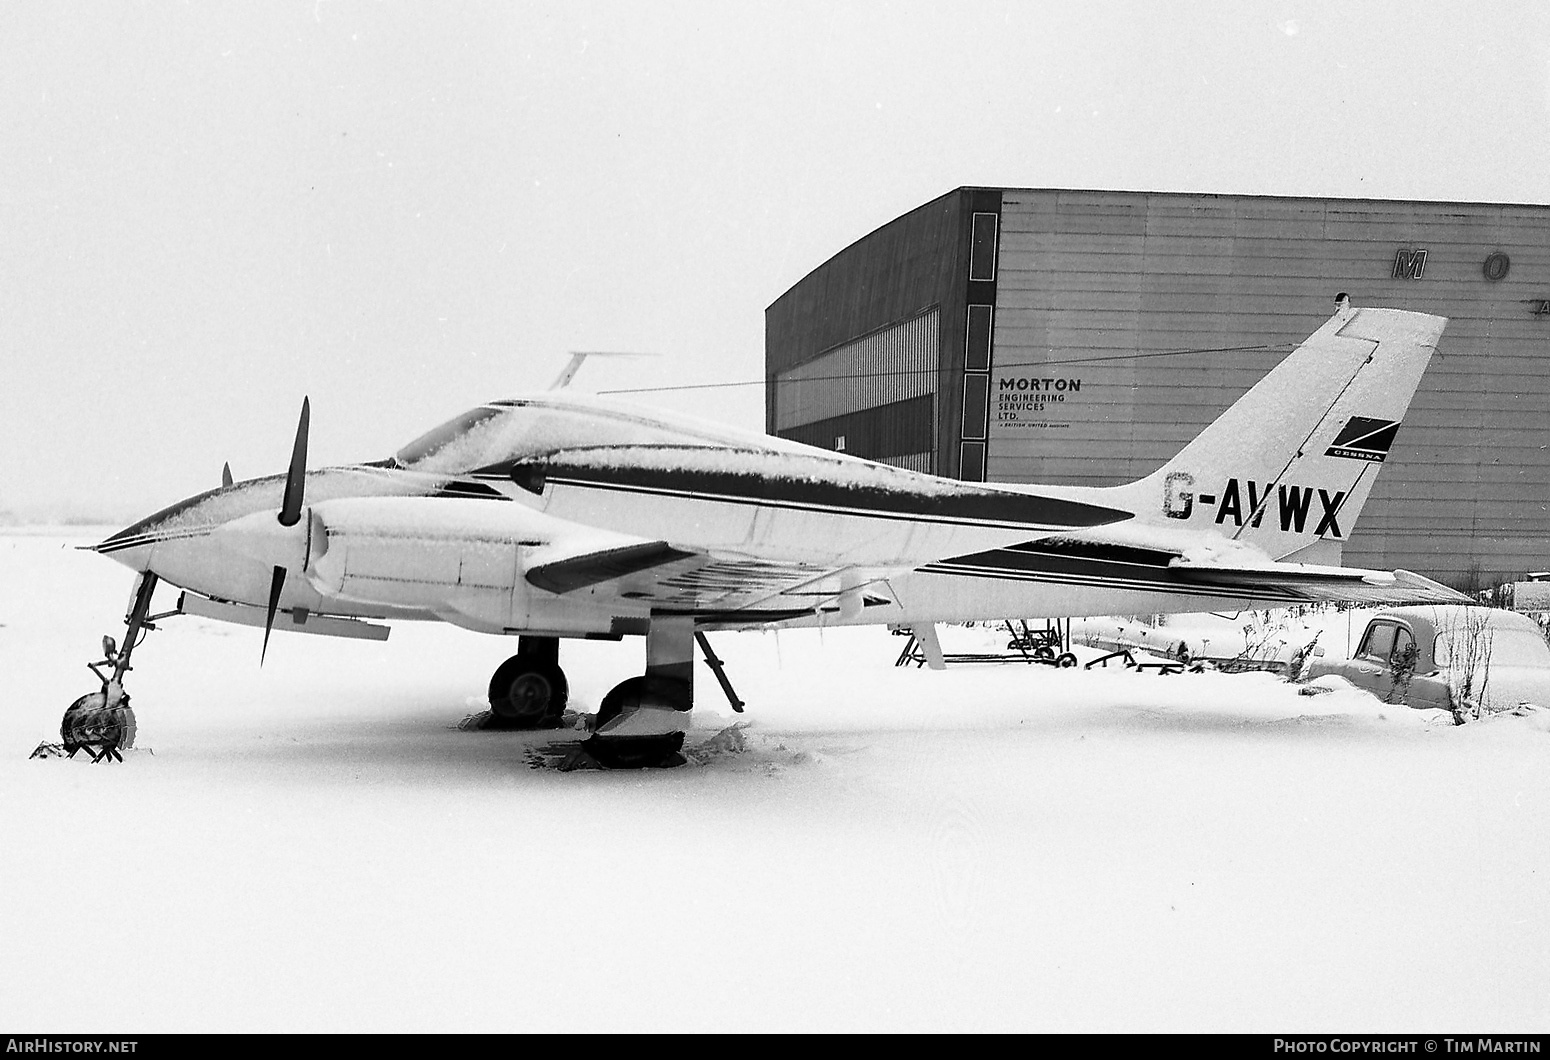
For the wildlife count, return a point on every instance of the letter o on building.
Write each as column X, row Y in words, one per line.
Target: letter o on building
column 1496, row 266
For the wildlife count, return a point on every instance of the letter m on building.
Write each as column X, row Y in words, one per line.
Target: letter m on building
column 1409, row 264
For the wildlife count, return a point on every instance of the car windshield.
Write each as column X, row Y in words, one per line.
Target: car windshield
column 1500, row 647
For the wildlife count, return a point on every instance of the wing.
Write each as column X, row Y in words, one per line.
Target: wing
column 625, row 532
column 503, row 567
column 747, row 535
column 727, row 589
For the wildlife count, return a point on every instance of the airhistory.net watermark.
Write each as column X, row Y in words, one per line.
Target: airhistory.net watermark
column 69, row 1045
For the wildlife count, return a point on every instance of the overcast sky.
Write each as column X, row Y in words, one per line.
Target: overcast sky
column 210, row 210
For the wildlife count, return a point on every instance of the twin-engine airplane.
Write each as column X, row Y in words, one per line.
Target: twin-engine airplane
column 560, row 515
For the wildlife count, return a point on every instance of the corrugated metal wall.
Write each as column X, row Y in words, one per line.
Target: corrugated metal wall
column 899, row 433
column 1099, row 292
column 890, row 365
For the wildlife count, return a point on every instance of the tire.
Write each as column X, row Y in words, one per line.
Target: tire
column 1065, row 660
column 1044, row 652
column 528, row 693
column 88, row 722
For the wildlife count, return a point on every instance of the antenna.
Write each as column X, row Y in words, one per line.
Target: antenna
column 577, row 356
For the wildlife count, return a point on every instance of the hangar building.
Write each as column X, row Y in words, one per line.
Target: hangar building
column 1036, row 335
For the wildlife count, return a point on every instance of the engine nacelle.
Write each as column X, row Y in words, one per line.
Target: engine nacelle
column 461, row 559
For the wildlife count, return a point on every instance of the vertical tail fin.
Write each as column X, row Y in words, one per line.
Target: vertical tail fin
column 1288, row 467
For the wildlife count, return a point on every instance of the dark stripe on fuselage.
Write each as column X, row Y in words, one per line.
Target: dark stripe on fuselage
column 1082, row 564
column 976, row 508
column 478, row 491
column 139, row 532
column 119, row 544
column 144, row 531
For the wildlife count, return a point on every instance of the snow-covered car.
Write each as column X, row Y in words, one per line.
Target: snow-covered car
column 1470, row 660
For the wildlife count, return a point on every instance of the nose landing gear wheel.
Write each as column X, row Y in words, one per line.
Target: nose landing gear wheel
column 101, row 730
column 527, row 693
column 101, row 723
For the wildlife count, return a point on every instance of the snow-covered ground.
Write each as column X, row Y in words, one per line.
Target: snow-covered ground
column 315, row 845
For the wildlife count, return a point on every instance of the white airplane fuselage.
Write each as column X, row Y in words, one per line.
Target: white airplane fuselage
column 478, row 581
column 569, row 515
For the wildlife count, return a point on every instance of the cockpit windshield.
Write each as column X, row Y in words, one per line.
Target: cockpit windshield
column 433, row 441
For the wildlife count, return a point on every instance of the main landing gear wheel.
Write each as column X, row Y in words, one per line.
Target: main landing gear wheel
column 527, row 693
column 1065, row 660
column 636, row 750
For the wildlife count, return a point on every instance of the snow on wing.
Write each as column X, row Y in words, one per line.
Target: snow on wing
column 815, row 481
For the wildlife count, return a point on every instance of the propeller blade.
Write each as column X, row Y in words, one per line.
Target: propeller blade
column 275, row 585
column 295, row 478
column 226, row 474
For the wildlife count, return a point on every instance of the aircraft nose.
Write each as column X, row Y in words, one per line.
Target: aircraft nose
column 132, row 545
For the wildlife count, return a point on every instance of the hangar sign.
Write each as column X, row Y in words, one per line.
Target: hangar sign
column 1034, row 401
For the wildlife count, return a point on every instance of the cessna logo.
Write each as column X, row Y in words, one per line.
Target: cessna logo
column 1250, row 501
column 1363, row 438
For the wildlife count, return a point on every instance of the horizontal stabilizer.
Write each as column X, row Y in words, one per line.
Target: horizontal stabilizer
column 1316, row 583
column 1271, row 573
